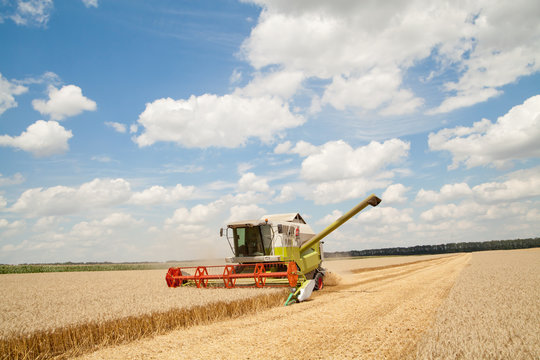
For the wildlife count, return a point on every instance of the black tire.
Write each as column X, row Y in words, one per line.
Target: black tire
column 319, row 281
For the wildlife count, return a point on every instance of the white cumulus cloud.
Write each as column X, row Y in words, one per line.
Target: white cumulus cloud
column 477, row 212
column 395, row 194
column 280, row 83
column 384, row 215
column 452, row 211
column 515, row 135
column 121, row 128
column 65, row 102
column 448, row 192
column 160, row 195
column 522, row 184
column 10, row 229
column 235, row 77
column 104, row 227
column 199, row 214
column 43, row 138
column 511, row 200
column 367, row 48
column 33, row 12
column 64, row 200
column 330, row 218
column 245, row 212
column 7, row 91
column 283, row 148
column 339, row 172
column 335, row 191
column 504, row 47
column 215, row 121
column 252, row 182
column 302, row 148
column 286, row 194
column 17, row 178
column 90, row 3
column 376, row 89
column 337, row 160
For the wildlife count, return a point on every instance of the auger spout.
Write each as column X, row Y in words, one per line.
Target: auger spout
column 370, row 200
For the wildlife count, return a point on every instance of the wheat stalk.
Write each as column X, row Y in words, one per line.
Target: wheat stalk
column 73, row 340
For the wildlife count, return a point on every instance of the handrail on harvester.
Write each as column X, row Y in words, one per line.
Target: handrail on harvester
column 370, row 200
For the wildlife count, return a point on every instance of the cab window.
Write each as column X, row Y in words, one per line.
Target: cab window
column 247, row 241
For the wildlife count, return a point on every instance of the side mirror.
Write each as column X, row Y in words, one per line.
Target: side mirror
column 280, row 229
column 221, row 232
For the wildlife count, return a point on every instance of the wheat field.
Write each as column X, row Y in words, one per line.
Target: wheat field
column 49, row 314
column 46, row 301
column 492, row 312
column 384, row 310
column 462, row 306
column 378, row 314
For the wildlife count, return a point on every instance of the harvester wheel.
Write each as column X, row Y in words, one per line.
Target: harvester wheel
column 319, row 281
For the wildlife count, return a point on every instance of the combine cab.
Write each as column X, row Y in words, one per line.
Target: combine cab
column 276, row 250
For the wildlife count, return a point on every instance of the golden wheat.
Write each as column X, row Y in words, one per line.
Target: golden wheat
column 378, row 320
column 47, row 301
column 72, row 340
column 492, row 312
column 42, row 315
column 33, row 302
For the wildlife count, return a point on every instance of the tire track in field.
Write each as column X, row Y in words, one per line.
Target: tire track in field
column 374, row 268
column 381, row 316
column 407, row 349
column 401, row 270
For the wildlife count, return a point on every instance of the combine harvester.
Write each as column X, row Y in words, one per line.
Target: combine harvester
column 276, row 250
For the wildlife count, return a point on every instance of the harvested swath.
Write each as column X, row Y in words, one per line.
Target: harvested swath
column 346, row 265
column 365, row 273
column 72, row 340
column 492, row 312
column 375, row 268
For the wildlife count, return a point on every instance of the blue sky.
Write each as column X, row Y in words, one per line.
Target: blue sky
column 132, row 130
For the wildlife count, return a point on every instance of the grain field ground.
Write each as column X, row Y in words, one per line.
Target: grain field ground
column 492, row 312
column 378, row 313
column 462, row 306
column 47, row 301
column 65, row 314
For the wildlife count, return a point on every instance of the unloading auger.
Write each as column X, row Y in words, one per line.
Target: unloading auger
column 275, row 250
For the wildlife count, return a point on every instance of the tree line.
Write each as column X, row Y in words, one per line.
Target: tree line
column 443, row 248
